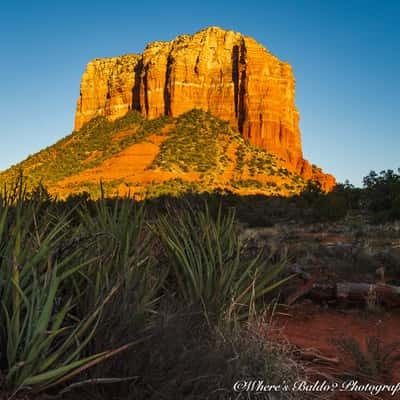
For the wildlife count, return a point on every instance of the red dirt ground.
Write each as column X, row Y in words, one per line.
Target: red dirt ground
column 312, row 329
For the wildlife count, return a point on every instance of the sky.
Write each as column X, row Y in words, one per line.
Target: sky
column 345, row 56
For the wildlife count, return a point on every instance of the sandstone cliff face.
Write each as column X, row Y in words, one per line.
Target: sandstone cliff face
column 106, row 89
column 223, row 72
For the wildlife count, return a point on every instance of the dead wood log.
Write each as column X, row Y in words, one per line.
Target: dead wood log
column 316, row 357
column 349, row 292
column 368, row 293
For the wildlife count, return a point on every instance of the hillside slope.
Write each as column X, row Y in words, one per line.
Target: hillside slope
column 151, row 157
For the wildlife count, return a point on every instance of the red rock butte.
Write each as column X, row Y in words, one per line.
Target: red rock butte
column 221, row 71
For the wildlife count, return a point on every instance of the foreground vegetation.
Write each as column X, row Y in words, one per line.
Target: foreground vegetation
column 105, row 292
column 114, row 292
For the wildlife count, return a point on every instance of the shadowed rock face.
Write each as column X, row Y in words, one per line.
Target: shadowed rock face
column 224, row 72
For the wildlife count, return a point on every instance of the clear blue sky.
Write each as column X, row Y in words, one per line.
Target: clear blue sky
column 345, row 55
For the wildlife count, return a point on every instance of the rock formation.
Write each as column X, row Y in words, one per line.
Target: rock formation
column 224, row 72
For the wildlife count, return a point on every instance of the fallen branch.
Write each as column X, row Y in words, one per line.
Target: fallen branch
column 315, row 356
column 350, row 292
column 372, row 293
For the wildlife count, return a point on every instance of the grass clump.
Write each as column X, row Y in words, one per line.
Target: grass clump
column 186, row 358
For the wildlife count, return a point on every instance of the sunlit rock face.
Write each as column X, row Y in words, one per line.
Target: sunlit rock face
column 224, row 72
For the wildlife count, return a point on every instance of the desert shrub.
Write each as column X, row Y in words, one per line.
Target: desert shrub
column 382, row 194
column 374, row 362
column 173, row 187
column 246, row 183
column 187, row 358
column 310, row 194
column 352, row 196
column 329, row 206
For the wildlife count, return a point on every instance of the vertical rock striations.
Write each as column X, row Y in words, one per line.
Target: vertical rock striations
column 106, row 89
column 224, row 72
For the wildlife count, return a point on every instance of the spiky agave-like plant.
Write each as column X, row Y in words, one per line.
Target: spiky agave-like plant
column 209, row 263
column 123, row 247
column 45, row 343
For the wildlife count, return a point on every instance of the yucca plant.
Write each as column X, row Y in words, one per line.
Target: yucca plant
column 42, row 339
column 118, row 237
column 45, row 345
column 209, row 262
column 13, row 192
